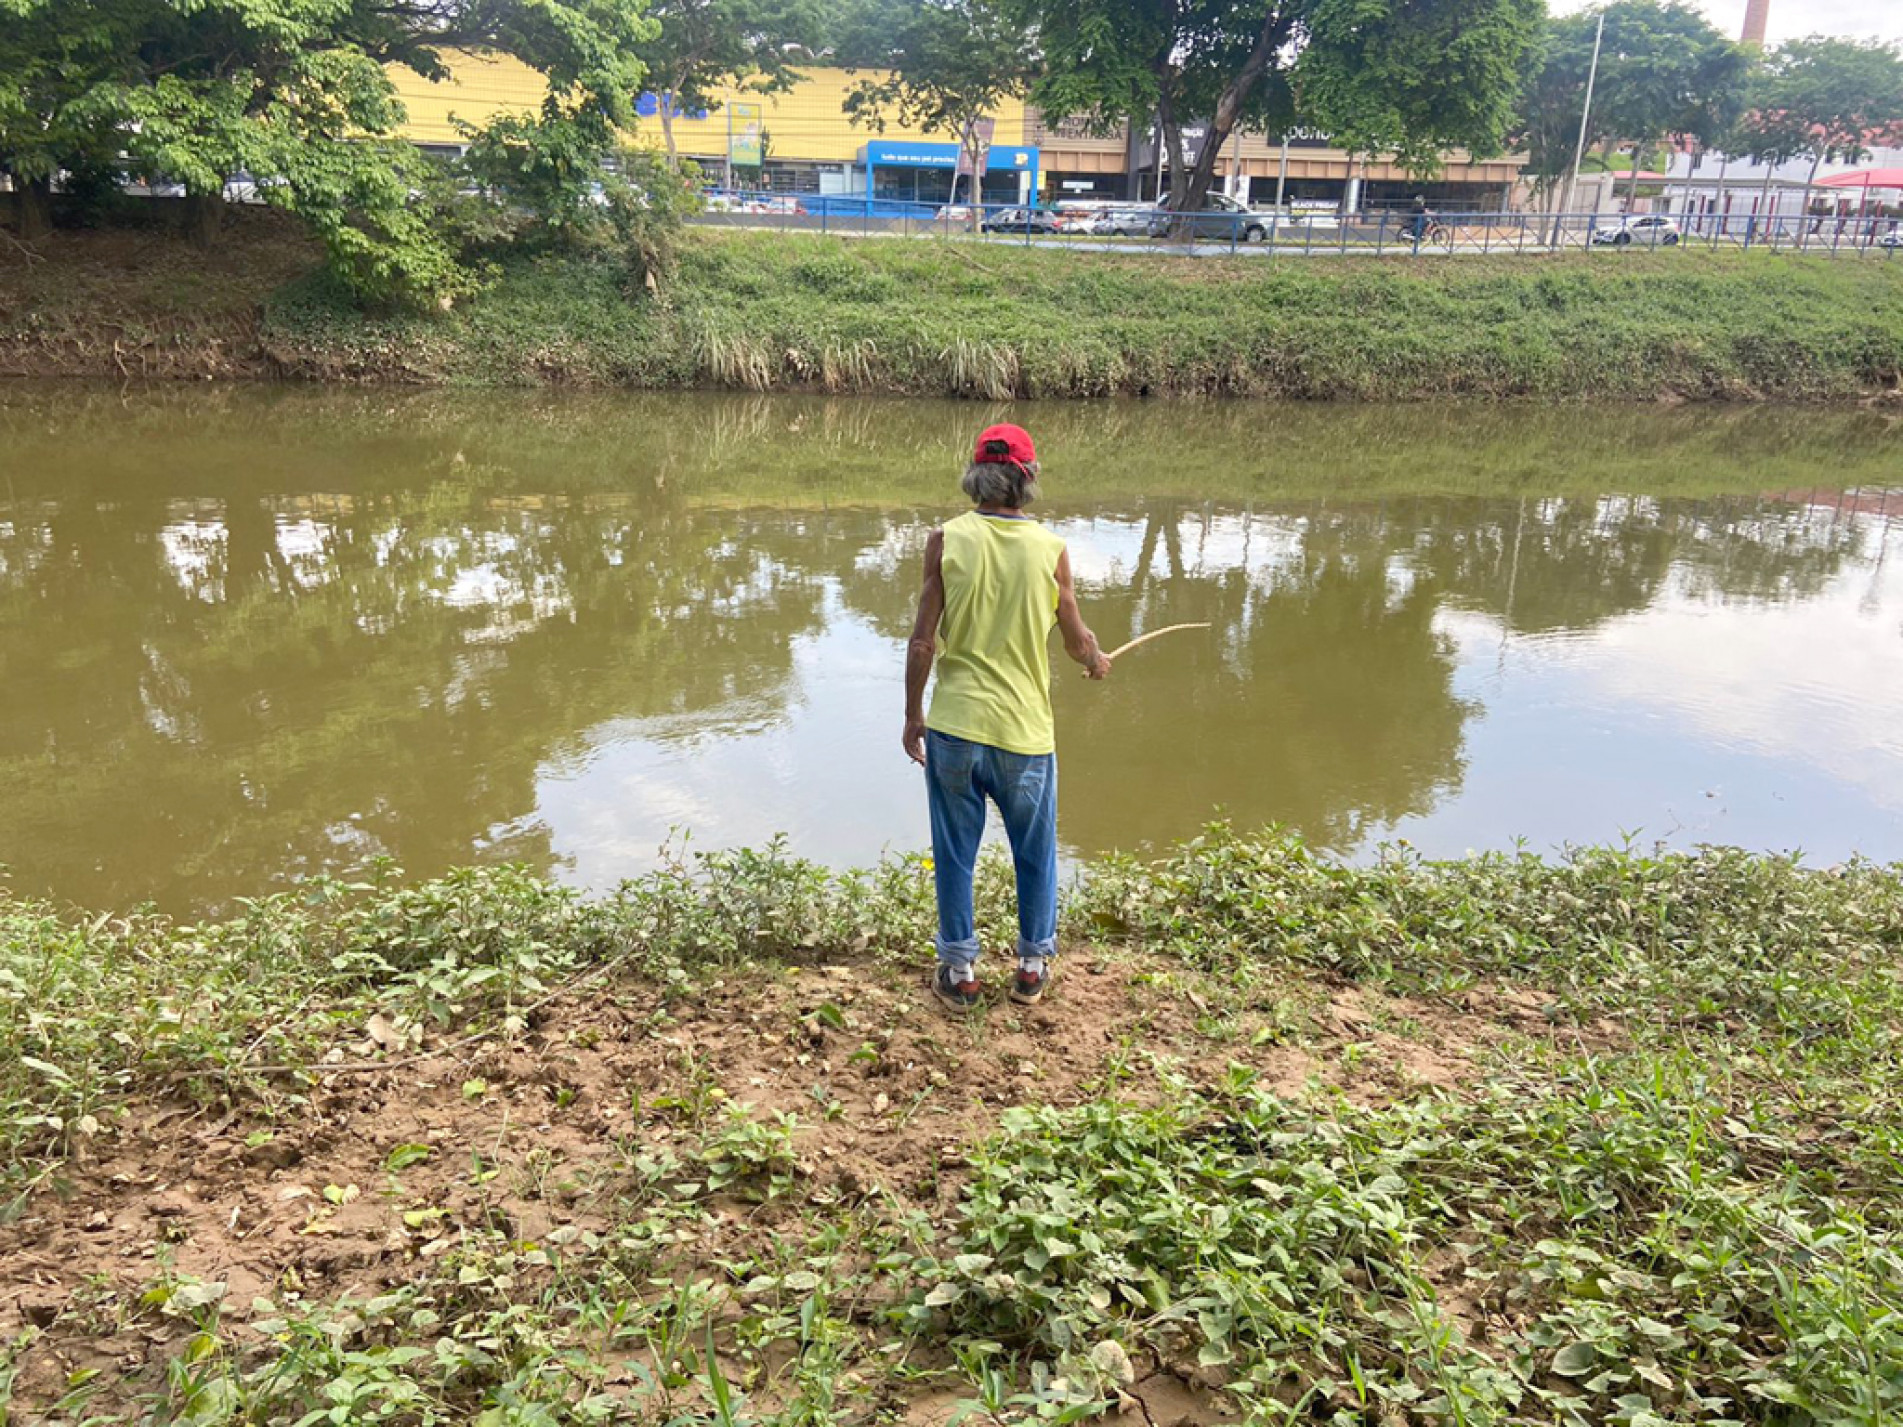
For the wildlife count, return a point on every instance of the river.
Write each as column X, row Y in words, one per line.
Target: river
column 249, row 635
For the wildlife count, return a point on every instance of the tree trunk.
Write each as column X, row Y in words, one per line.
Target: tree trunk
column 978, row 152
column 1810, row 181
column 666, row 106
column 33, row 199
column 1229, row 107
column 1632, row 188
column 1172, row 125
column 1720, row 210
column 204, row 216
column 1691, row 160
column 1764, row 194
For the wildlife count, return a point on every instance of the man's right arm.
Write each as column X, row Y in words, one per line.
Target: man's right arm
column 923, row 646
column 1079, row 642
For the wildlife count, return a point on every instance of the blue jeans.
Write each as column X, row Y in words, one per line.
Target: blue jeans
column 959, row 776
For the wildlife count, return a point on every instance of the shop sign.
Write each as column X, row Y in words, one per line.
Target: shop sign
column 746, row 148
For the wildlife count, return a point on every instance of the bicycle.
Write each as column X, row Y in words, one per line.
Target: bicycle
column 1430, row 232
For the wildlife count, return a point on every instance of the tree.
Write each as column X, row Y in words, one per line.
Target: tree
column 1553, row 97
column 1388, row 77
column 46, row 124
column 1664, row 73
column 1821, row 95
column 700, row 47
column 295, row 93
column 948, row 65
column 1381, row 75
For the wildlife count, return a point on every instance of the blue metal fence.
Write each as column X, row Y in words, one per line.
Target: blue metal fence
column 1116, row 227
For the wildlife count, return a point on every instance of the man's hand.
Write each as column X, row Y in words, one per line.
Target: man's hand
column 915, row 739
column 1098, row 666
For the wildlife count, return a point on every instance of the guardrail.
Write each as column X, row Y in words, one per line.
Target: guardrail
column 1269, row 232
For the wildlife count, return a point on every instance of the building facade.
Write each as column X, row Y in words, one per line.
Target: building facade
column 1713, row 193
column 1304, row 171
column 811, row 147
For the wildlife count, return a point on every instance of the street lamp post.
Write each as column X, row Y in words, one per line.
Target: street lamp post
column 1585, row 117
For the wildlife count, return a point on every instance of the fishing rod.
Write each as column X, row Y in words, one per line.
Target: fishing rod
column 1146, row 638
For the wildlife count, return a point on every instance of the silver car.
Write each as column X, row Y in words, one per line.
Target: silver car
column 1653, row 230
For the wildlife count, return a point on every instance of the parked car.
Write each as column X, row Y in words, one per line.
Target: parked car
column 1079, row 215
column 1891, row 240
column 1220, row 220
column 1020, row 220
column 1654, row 230
column 1124, row 223
column 242, row 187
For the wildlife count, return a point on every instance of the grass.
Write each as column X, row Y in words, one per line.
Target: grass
column 771, row 311
column 1654, row 1185
column 766, row 311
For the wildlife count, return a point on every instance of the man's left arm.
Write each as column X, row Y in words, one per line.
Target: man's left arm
column 923, row 646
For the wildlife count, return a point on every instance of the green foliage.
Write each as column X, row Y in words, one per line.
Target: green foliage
column 701, row 48
column 1384, row 77
column 296, row 95
column 1553, row 97
column 1694, row 1222
column 548, row 167
column 1822, row 95
column 1690, row 938
column 1663, row 71
column 1666, row 72
column 1623, row 1250
column 948, row 63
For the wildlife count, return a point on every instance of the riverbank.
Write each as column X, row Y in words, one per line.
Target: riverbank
column 766, row 311
column 1496, row 1140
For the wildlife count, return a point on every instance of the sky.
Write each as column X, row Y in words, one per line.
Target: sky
column 1791, row 19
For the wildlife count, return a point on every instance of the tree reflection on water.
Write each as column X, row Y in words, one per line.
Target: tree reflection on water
column 243, row 646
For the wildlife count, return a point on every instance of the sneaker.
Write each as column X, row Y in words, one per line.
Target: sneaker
column 1028, row 987
column 955, row 995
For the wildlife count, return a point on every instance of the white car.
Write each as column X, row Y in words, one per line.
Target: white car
column 1654, row 230
column 1892, row 240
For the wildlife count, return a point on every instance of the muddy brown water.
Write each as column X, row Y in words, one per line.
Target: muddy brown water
column 249, row 635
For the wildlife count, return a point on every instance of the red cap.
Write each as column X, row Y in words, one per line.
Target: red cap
column 1004, row 446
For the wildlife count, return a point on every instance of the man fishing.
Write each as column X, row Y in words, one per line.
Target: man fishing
column 995, row 582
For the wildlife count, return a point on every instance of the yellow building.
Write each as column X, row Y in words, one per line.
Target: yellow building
column 811, row 144
column 813, row 148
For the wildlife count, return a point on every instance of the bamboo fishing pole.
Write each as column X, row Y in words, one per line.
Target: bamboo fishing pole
column 1146, row 638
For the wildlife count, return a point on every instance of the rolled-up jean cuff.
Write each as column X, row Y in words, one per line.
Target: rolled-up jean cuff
column 957, row 953
column 1045, row 949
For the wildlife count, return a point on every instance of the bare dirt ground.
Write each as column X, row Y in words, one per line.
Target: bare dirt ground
column 891, row 1093
column 143, row 304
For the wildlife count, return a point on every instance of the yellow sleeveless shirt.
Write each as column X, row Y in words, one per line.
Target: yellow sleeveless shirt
column 994, row 670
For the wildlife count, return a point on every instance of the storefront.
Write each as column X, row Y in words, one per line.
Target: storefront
column 922, row 173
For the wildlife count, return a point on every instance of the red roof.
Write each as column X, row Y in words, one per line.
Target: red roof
column 1865, row 178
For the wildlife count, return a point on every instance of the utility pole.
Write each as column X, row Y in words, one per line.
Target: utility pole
column 1585, row 116
column 1281, row 174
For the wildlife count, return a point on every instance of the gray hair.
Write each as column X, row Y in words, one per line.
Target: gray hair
column 1002, row 483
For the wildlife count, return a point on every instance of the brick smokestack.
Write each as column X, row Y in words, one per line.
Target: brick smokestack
column 1756, row 14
